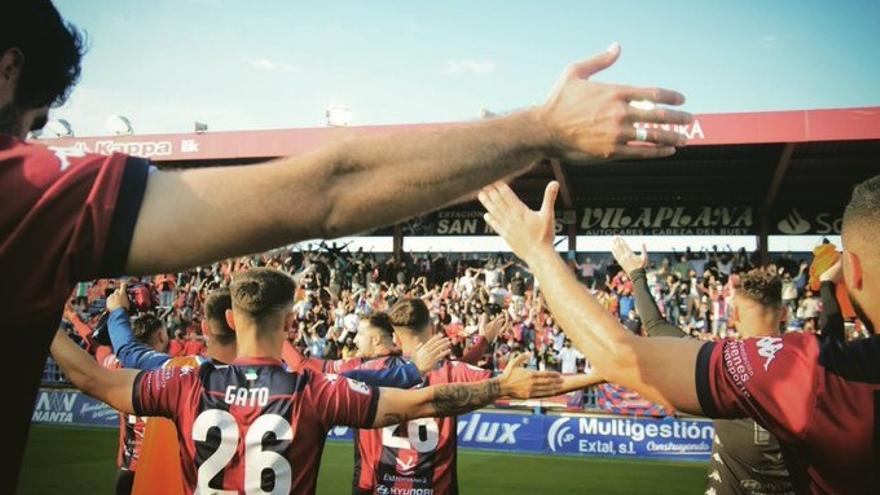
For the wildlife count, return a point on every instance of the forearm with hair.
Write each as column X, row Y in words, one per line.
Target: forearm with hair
column 436, row 401
column 646, row 307
column 571, row 383
column 344, row 188
column 660, row 369
column 113, row 387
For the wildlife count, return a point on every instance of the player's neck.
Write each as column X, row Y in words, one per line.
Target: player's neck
column 763, row 324
column 224, row 354
column 251, row 344
column 408, row 345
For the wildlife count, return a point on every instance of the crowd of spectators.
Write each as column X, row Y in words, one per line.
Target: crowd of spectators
column 338, row 286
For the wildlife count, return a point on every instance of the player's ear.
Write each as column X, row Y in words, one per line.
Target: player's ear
column 204, row 326
column 230, row 319
column 852, row 271
column 289, row 321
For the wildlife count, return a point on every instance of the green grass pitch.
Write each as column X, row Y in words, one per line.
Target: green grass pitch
column 82, row 461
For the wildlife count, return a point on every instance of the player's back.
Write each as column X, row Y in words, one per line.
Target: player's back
column 418, row 456
column 252, row 425
column 746, row 459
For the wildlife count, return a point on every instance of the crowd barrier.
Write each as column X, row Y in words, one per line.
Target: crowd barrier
column 550, row 434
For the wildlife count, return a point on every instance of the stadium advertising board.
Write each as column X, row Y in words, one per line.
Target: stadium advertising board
column 643, row 221
column 589, row 436
column 70, row 407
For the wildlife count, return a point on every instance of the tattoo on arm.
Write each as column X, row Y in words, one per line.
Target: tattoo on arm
column 451, row 400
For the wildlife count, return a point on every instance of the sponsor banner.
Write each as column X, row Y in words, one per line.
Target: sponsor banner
column 645, row 438
column 453, row 223
column 588, row 436
column 71, row 407
column 808, row 220
column 667, row 220
column 502, row 431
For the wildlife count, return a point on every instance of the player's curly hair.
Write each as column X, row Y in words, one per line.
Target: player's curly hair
column 410, row 314
column 262, row 292
column 52, row 51
column 144, row 326
column 761, row 285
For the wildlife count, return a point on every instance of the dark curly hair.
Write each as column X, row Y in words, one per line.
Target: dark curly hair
column 761, row 285
column 52, row 51
column 381, row 322
column 144, row 326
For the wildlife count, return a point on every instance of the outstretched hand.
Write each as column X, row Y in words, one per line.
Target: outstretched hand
column 626, row 258
column 520, row 383
column 527, row 232
column 592, row 121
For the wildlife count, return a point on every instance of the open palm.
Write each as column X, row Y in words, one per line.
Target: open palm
column 526, row 231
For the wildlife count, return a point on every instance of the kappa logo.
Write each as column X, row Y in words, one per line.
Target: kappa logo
column 406, row 467
column 359, row 387
column 767, row 348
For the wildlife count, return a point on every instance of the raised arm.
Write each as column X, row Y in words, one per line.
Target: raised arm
column 831, row 323
column 397, row 406
column 130, row 352
column 661, row 369
column 111, row 386
column 352, row 185
column 634, row 265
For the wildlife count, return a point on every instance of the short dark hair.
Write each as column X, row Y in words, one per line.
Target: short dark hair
column 410, row 314
column 762, row 286
column 144, row 326
column 216, row 304
column 52, row 52
column 864, row 206
column 381, row 322
column 262, row 292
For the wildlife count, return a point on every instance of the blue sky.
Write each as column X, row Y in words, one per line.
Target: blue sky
column 272, row 64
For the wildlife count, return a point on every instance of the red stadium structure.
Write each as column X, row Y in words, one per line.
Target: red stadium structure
column 759, row 174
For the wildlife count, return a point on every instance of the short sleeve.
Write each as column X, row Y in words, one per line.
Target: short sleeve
column 773, row 380
column 342, row 401
column 342, row 365
column 163, row 392
column 76, row 208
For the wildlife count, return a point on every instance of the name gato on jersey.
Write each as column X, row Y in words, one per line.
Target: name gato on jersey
column 241, row 396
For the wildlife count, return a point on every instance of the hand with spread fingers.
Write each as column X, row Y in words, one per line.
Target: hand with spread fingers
column 490, row 330
column 593, row 121
column 520, row 383
column 527, row 232
column 626, row 257
column 427, row 355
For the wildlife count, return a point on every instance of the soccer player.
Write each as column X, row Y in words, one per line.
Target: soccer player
column 421, row 454
column 252, row 425
column 150, row 333
column 70, row 215
column 746, row 459
column 816, row 397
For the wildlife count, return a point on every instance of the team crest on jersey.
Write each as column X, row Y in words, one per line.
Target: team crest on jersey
column 359, row 387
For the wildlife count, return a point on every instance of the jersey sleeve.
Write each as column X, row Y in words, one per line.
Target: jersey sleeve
column 130, row 352
column 341, row 365
column 462, row 372
column 163, row 392
column 80, row 208
column 398, row 376
column 342, row 401
column 773, row 380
